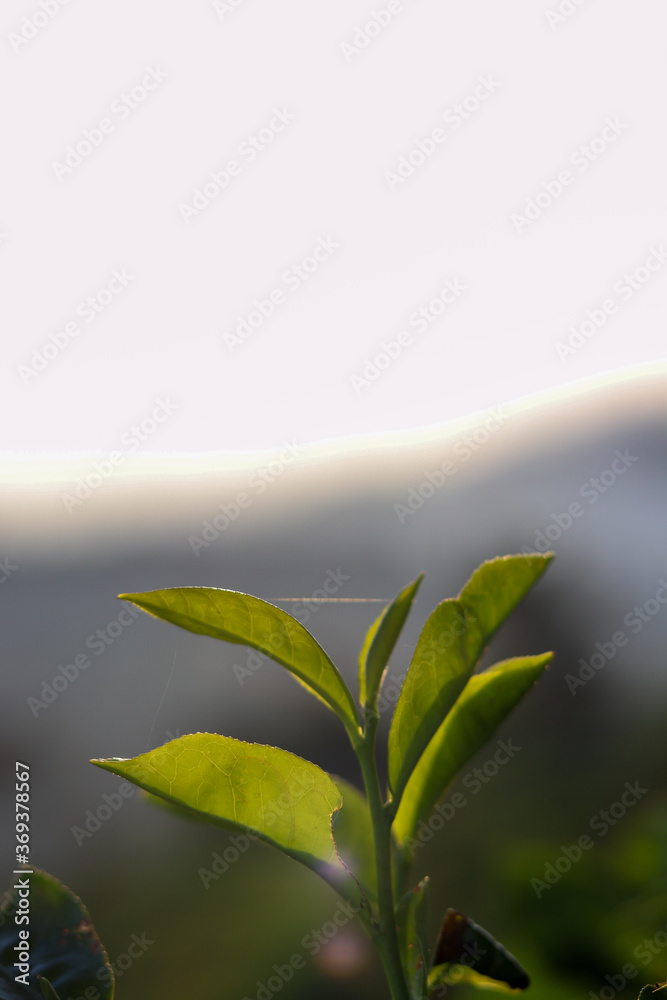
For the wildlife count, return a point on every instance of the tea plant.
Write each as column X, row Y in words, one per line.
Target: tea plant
column 362, row 846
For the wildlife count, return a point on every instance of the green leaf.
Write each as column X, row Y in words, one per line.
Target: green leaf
column 66, row 956
column 431, row 687
column 497, row 586
column 448, row 649
column 283, row 799
column 485, row 701
column 465, row 952
column 411, row 916
column 444, row 976
column 380, row 641
column 353, row 834
column 249, row 621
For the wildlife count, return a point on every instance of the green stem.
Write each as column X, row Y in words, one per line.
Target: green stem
column 386, row 939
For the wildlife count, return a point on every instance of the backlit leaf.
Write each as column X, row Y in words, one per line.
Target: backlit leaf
column 497, row 586
column 448, row 650
column 249, row 621
column 283, row 799
column 435, row 678
column 485, row 701
column 380, row 641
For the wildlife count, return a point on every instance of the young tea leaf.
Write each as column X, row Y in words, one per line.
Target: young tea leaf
column 498, row 585
column 485, row 701
column 283, row 799
column 411, row 913
column 249, row 621
column 465, row 952
column 380, row 641
column 432, row 684
column 448, row 649
column 66, row 956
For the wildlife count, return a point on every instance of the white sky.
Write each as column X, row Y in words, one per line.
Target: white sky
column 223, row 72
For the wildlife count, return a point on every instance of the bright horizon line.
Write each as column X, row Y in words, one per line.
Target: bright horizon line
column 28, row 468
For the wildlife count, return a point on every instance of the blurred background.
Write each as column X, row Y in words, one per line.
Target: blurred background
column 220, row 928
column 304, row 292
